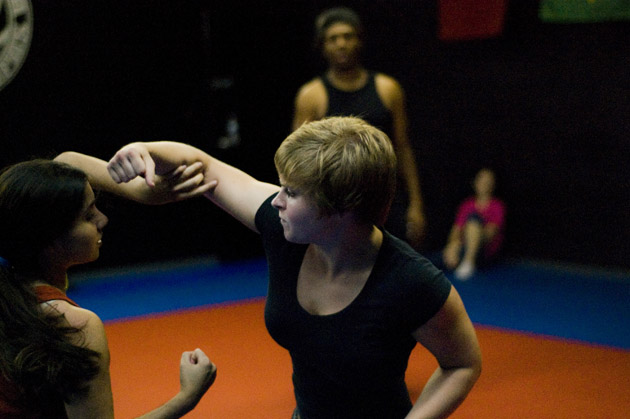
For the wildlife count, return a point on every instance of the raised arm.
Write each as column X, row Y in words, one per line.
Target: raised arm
column 232, row 189
column 185, row 181
column 451, row 338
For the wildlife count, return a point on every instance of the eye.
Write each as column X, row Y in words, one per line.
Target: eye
column 91, row 214
column 289, row 192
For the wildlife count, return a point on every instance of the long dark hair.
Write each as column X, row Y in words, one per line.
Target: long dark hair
column 39, row 201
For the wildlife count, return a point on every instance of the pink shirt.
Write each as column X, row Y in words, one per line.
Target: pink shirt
column 493, row 213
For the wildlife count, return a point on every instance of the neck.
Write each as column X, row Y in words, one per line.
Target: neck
column 351, row 249
column 483, row 199
column 51, row 272
column 55, row 279
column 347, row 78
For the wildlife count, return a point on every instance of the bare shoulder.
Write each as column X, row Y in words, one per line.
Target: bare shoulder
column 389, row 89
column 311, row 102
column 385, row 81
column 90, row 324
column 312, row 97
column 312, row 89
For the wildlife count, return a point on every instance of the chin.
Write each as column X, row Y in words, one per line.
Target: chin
column 292, row 239
column 297, row 241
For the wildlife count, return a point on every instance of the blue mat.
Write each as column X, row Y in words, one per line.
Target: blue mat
column 577, row 304
column 591, row 306
column 159, row 289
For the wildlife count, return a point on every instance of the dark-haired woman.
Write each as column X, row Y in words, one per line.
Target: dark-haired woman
column 54, row 357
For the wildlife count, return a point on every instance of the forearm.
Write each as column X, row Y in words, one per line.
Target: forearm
column 409, row 172
column 444, row 392
column 236, row 192
column 405, row 154
column 177, row 407
column 169, row 155
column 99, row 178
column 94, row 168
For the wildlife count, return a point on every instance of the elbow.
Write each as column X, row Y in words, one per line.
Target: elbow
column 472, row 366
column 475, row 368
column 72, row 158
column 65, row 157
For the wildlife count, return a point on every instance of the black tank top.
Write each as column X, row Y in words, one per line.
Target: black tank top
column 363, row 103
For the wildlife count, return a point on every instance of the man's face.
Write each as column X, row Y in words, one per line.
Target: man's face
column 341, row 45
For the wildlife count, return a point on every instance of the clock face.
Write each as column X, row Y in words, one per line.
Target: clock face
column 16, row 31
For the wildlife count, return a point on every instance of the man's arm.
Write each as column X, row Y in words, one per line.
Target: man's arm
column 393, row 97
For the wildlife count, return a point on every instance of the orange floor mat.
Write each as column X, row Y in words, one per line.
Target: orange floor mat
column 524, row 376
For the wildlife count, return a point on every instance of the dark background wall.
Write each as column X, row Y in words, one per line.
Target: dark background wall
column 547, row 105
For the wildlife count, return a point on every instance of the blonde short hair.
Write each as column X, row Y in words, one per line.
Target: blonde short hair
column 344, row 164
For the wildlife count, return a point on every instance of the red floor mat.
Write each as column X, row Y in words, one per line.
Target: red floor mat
column 523, row 377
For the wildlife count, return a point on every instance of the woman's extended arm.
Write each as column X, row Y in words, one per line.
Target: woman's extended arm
column 182, row 182
column 232, row 189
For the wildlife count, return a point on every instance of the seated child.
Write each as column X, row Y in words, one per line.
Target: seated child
column 477, row 233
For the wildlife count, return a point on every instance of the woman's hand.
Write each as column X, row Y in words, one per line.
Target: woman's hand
column 196, row 375
column 131, row 161
column 182, row 183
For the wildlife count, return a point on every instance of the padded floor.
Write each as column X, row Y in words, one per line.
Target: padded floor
column 555, row 340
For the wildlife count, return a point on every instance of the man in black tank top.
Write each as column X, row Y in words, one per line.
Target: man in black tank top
column 348, row 89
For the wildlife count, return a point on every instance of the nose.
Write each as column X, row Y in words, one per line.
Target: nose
column 340, row 42
column 102, row 221
column 278, row 201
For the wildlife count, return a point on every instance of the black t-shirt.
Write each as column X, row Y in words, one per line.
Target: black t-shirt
column 350, row 364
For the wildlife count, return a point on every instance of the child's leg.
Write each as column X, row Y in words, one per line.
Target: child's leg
column 473, row 245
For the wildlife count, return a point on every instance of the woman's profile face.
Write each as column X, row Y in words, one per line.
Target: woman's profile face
column 81, row 244
column 301, row 219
